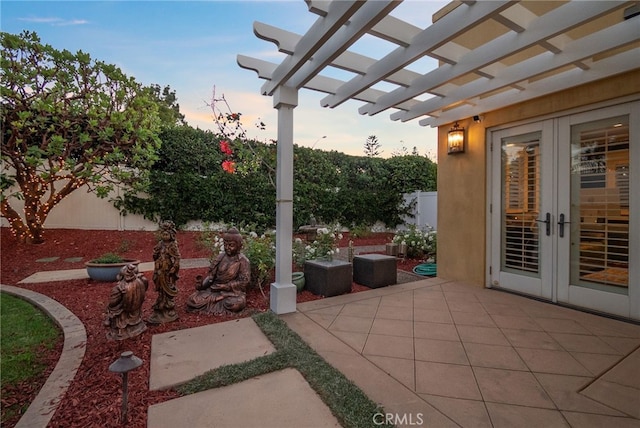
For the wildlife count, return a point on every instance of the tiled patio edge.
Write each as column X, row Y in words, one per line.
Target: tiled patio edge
column 46, row 402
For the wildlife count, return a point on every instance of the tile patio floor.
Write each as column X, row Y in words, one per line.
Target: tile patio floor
column 439, row 354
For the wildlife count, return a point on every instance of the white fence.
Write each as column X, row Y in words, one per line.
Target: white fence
column 425, row 210
column 83, row 210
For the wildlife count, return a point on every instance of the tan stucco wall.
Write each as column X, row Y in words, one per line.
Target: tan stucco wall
column 462, row 177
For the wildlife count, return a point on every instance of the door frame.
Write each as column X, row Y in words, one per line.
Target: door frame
column 572, row 297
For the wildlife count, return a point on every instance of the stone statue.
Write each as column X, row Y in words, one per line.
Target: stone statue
column 124, row 312
column 223, row 290
column 166, row 256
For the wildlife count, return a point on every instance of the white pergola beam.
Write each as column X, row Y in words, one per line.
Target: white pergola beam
column 341, row 40
column 321, row 31
column 327, row 85
column 621, row 63
column 547, row 26
column 577, row 51
column 350, row 61
column 446, row 29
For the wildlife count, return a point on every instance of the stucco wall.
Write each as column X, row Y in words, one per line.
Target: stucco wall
column 461, row 178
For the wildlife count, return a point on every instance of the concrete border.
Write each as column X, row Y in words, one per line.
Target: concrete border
column 43, row 407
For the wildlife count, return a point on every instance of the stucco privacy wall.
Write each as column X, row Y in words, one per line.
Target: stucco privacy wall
column 462, row 209
column 83, row 210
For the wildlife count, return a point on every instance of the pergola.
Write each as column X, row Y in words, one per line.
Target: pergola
column 491, row 54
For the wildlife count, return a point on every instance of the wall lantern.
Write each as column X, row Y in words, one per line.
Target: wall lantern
column 455, row 140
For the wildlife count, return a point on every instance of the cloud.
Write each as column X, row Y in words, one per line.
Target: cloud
column 55, row 22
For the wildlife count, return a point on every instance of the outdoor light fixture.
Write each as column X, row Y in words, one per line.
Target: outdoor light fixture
column 124, row 365
column 455, row 140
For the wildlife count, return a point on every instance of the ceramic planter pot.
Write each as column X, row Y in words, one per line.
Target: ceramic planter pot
column 298, row 279
column 107, row 272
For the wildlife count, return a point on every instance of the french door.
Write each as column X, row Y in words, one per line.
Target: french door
column 564, row 210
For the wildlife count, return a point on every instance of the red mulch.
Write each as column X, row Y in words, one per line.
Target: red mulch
column 94, row 397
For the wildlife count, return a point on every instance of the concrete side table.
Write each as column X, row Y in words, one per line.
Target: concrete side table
column 328, row 278
column 375, row 270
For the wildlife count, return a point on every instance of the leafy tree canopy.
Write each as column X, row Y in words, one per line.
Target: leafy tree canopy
column 68, row 121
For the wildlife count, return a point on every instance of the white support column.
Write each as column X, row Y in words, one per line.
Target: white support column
column 283, row 292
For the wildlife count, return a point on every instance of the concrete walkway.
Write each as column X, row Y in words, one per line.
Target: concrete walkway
column 430, row 352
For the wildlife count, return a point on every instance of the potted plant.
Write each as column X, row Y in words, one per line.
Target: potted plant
column 106, row 267
column 299, row 257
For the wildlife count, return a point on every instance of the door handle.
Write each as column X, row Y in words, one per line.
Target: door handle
column 547, row 222
column 561, row 224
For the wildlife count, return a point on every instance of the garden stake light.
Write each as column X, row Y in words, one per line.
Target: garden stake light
column 124, row 365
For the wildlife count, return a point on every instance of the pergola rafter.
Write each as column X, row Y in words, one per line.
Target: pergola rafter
column 489, row 55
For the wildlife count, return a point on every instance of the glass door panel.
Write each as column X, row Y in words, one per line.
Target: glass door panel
column 599, row 178
column 521, row 204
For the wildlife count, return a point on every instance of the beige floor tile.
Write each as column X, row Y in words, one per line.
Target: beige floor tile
column 354, row 340
column 511, row 387
column 518, row 323
column 555, row 325
column 402, row 300
column 564, row 391
column 432, row 330
column 401, row 369
column 531, row 339
column 549, row 361
column 431, row 304
column 392, row 327
column 590, row 420
column 597, row 364
column 466, row 306
column 324, row 320
column 389, row 346
column 487, row 335
column 395, row 312
column 449, row 380
column 584, row 343
column 466, row 295
column 496, row 356
column 329, row 310
column 352, row 324
column 470, row 318
column 508, row 416
column 503, row 309
column 440, row 351
column 466, row 413
column 623, row 344
column 363, row 310
column 431, row 315
column 627, row 371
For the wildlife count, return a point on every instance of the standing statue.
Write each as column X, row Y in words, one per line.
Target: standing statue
column 223, row 290
column 166, row 256
column 124, row 312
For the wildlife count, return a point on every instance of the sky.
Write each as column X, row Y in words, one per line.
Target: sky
column 192, row 46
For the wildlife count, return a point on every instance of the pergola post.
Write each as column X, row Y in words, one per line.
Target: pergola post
column 283, row 291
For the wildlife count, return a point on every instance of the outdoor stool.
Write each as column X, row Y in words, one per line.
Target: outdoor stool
column 375, row 270
column 328, row 278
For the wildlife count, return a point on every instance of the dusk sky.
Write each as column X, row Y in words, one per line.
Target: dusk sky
column 192, row 47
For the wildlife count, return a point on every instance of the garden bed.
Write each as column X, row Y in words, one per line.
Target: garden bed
column 93, row 398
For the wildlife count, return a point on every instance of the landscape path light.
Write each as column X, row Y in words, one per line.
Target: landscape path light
column 124, row 365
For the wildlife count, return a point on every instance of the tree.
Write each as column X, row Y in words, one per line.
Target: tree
column 372, row 147
column 168, row 107
column 68, row 121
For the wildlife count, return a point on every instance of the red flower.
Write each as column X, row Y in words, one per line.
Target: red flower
column 225, row 148
column 229, row 166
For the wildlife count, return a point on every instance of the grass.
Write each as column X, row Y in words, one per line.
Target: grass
column 347, row 402
column 24, row 332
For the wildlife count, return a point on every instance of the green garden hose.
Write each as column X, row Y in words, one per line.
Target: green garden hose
column 425, row 269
